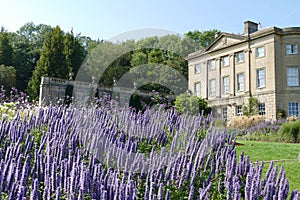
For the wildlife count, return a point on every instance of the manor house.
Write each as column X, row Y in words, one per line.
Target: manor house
column 263, row 63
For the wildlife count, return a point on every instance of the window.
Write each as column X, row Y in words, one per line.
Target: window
column 226, row 85
column 293, row 109
column 239, row 110
column 261, row 108
column 240, row 57
column 197, row 68
column 225, row 61
column 240, row 82
column 260, row 78
column 291, row 49
column 212, row 87
column 292, row 76
column 260, row 52
column 224, row 113
column 197, row 89
column 211, row 64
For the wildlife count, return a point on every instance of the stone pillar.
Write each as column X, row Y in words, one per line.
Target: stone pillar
column 44, row 91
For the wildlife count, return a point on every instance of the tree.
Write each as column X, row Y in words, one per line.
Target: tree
column 74, row 51
column 204, row 38
column 6, row 50
column 138, row 58
column 7, row 76
column 51, row 63
column 58, row 65
column 28, row 43
column 23, row 60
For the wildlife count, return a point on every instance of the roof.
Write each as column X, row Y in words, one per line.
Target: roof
column 225, row 40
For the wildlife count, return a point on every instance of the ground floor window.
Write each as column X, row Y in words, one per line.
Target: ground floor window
column 261, row 108
column 239, row 110
column 293, row 109
column 224, row 113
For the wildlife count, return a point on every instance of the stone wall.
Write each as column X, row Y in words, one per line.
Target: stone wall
column 55, row 91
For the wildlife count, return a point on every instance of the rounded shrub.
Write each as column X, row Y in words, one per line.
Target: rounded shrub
column 290, row 131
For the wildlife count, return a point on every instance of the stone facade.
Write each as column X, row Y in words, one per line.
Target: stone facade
column 260, row 63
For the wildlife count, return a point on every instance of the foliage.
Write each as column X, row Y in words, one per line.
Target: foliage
column 52, row 62
column 6, row 50
column 27, row 45
column 290, row 131
column 252, row 108
column 139, row 58
column 114, row 61
column 7, row 76
column 23, row 48
column 204, row 38
column 74, row 52
column 192, row 104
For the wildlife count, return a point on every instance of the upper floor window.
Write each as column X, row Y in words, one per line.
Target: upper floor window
column 292, row 76
column 197, row 69
column 197, row 89
column 225, row 61
column 226, row 85
column 291, row 49
column 260, row 52
column 260, row 78
column 240, row 82
column 240, row 57
column 211, row 64
column 212, row 87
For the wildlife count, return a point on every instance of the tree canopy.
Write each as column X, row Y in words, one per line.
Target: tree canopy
column 37, row 50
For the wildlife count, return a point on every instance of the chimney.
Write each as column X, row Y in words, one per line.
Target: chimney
column 250, row 27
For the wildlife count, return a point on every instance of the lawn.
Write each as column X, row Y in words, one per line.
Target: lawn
column 267, row 151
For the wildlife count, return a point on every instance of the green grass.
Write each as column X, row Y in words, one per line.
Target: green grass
column 267, row 151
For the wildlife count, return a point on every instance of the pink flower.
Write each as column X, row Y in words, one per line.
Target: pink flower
column 299, row 157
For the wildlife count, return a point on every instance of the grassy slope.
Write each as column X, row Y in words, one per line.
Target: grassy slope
column 268, row 151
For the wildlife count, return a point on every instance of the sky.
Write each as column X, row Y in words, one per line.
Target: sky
column 108, row 19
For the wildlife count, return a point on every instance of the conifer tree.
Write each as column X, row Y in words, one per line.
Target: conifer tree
column 52, row 62
column 74, row 51
column 6, row 50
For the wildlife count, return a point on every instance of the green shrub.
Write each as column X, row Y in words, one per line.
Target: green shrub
column 191, row 104
column 290, row 131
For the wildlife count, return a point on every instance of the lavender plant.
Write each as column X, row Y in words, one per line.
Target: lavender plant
column 109, row 152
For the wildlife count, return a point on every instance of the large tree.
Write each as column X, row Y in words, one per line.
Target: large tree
column 52, row 61
column 23, row 60
column 6, row 50
column 74, row 51
column 7, row 76
column 204, row 38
